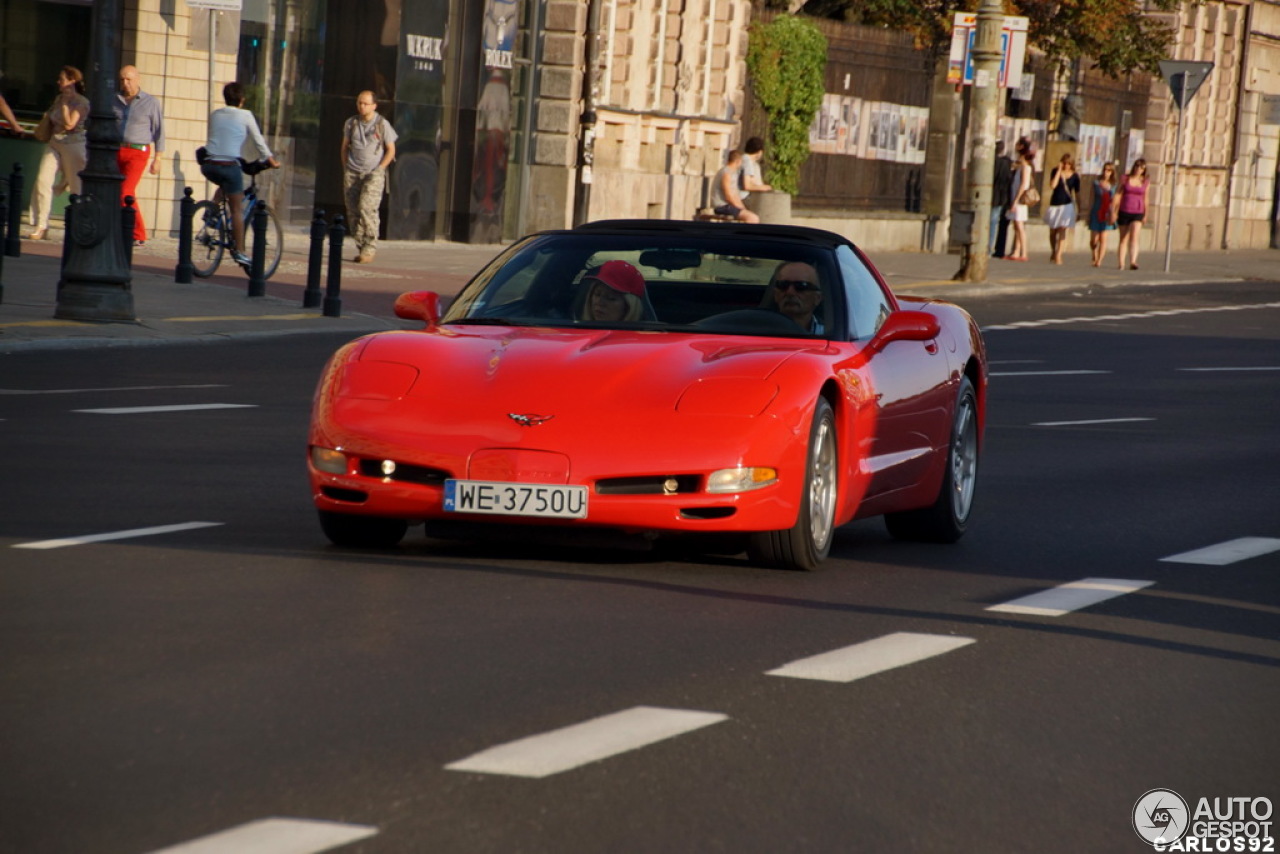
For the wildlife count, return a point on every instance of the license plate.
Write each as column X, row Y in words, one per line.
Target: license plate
column 515, row 499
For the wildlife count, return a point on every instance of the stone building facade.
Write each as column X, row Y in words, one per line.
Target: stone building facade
column 665, row 89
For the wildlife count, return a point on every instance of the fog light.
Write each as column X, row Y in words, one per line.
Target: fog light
column 327, row 460
column 388, row 468
column 741, row 479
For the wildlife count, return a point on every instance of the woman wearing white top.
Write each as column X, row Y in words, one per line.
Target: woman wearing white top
column 1022, row 176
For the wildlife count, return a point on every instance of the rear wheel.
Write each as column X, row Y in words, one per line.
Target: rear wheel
column 946, row 520
column 806, row 544
column 275, row 241
column 206, row 239
column 362, row 532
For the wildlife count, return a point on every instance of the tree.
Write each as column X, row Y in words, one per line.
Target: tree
column 1118, row 35
column 787, row 58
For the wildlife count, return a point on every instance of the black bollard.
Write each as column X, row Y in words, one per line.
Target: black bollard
column 68, row 222
column 4, row 224
column 333, row 287
column 128, row 217
column 258, row 261
column 13, row 242
column 183, row 273
column 311, row 297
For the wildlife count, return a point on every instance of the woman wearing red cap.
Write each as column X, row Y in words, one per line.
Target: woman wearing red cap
column 615, row 293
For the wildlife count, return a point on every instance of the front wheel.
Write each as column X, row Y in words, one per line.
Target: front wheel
column 946, row 520
column 806, row 544
column 274, row 240
column 362, row 532
column 207, row 242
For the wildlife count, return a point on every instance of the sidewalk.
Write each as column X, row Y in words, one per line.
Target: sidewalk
column 217, row 308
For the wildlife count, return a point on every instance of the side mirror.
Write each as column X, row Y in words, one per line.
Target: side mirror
column 905, row 326
column 419, row 305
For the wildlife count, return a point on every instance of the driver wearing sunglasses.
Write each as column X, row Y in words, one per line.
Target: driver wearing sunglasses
column 797, row 294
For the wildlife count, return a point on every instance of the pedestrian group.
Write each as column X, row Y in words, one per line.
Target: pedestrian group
column 1118, row 204
column 368, row 149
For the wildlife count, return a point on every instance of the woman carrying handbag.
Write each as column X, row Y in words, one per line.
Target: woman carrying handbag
column 64, row 124
column 1022, row 195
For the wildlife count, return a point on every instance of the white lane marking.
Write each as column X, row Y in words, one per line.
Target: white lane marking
column 115, row 535
column 1137, row 315
column 138, row 410
column 119, row 388
column 1092, row 421
column 590, row 741
column 1231, row 551
column 1066, row 598
column 870, row 657
column 275, row 836
column 1241, row 368
column 1043, row 373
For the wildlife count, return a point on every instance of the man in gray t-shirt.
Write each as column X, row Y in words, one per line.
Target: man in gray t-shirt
column 368, row 147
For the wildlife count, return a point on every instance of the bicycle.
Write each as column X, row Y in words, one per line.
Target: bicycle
column 211, row 228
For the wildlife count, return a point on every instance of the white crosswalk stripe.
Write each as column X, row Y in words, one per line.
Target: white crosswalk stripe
column 871, row 657
column 142, row 410
column 563, row 749
column 1232, row 551
column 115, row 535
column 1070, row 597
column 276, row 836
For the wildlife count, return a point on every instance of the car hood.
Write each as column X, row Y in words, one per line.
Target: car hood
column 542, row 367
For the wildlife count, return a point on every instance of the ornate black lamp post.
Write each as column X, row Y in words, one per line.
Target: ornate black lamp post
column 96, row 284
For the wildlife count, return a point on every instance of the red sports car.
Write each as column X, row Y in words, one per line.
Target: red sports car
column 660, row 376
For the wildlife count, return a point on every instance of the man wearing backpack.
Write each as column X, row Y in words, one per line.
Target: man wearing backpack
column 368, row 147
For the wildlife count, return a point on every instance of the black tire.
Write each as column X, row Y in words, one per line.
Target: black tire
column 275, row 241
column 362, row 532
column 946, row 520
column 206, row 239
column 807, row 543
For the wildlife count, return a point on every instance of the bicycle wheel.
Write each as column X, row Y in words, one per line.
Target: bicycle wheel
column 275, row 240
column 207, row 242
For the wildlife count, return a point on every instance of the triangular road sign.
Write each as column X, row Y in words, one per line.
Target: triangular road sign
column 1184, row 78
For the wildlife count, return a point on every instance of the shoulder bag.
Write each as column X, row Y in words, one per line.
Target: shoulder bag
column 44, row 130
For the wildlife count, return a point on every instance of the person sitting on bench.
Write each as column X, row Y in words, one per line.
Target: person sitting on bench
column 726, row 198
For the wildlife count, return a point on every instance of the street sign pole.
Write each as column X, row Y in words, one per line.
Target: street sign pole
column 1185, row 79
column 983, row 113
column 1173, row 184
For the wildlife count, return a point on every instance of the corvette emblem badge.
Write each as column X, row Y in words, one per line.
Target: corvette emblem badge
column 529, row 420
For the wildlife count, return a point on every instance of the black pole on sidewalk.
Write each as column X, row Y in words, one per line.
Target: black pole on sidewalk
column 183, row 273
column 4, row 225
column 68, row 223
column 128, row 217
column 311, row 297
column 13, row 241
column 333, row 287
column 258, row 262
column 97, row 285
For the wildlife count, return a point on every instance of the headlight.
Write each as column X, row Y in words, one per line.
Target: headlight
column 327, row 460
column 742, row 479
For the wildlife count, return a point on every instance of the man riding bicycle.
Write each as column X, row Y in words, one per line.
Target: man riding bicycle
column 229, row 127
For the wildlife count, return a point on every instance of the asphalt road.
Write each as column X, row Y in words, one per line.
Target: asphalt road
column 235, row 680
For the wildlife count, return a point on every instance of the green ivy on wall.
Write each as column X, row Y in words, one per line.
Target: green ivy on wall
column 787, row 58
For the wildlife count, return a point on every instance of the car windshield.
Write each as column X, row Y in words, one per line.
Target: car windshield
column 657, row 282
